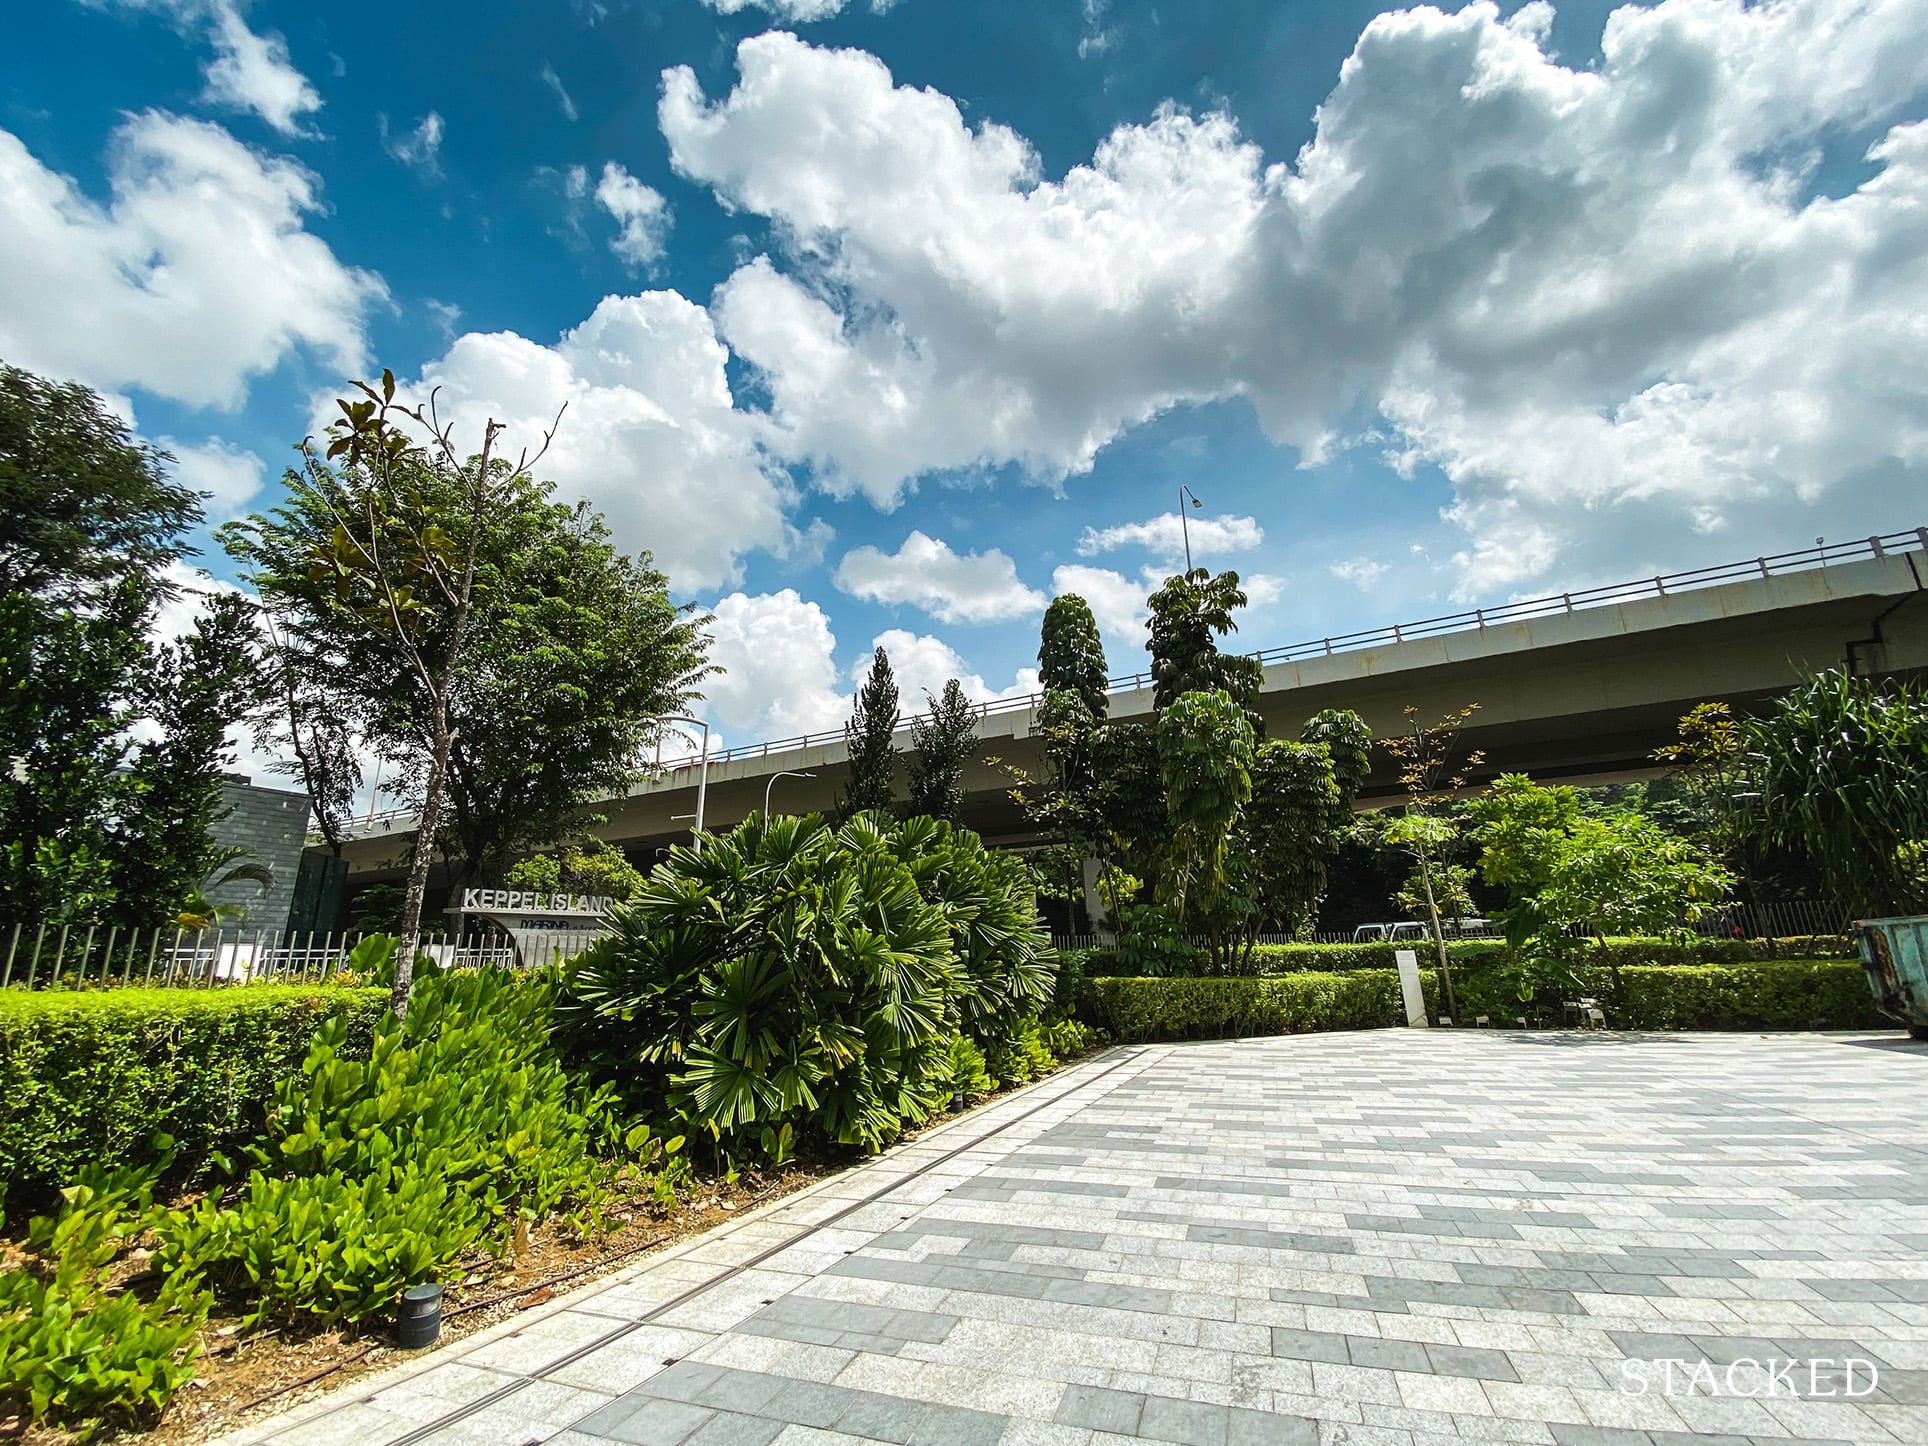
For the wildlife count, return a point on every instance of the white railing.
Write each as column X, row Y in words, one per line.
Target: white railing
column 1477, row 619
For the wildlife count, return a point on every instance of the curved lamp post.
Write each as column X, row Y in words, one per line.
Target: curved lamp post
column 1184, row 523
column 773, row 778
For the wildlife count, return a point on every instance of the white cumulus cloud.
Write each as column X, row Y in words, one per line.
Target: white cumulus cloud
column 640, row 211
column 977, row 587
column 1118, row 603
column 797, row 12
column 650, row 435
column 249, row 71
column 1622, row 308
column 1361, row 572
column 923, row 664
column 228, row 474
column 779, row 670
column 197, row 276
column 1165, row 536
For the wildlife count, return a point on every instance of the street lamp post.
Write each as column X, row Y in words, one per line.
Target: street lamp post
column 702, row 778
column 1184, row 522
column 786, row 773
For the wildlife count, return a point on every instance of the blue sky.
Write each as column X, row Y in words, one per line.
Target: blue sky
column 888, row 324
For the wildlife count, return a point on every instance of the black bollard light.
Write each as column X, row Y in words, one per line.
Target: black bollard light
column 418, row 1322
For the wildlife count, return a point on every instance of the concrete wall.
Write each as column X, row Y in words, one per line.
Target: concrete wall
column 272, row 824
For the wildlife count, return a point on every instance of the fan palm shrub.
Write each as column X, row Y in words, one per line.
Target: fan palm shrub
column 796, row 974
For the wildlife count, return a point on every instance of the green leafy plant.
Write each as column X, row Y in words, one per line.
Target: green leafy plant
column 377, row 1173
column 1841, row 764
column 795, row 973
column 75, row 1351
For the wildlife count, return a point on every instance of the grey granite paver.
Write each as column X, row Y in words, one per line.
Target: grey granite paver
column 1400, row 1237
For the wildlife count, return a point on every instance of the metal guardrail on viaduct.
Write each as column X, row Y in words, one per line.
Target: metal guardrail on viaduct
column 1472, row 620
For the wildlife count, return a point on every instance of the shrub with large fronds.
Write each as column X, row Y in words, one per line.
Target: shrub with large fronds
column 795, row 973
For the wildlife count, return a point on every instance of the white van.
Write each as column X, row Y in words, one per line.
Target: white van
column 1389, row 933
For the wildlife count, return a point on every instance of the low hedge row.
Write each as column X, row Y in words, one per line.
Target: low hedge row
column 1776, row 994
column 92, row 1076
column 1271, row 959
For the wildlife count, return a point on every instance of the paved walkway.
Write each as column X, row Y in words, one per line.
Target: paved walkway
column 1383, row 1239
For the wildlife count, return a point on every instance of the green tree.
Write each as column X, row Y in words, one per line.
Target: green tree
column 945, row 742
column 1841, row 764
column 1430, row 772
column 867, row 736
column 111, row 744
column 1568, row 870
column 1302, row 797
column 84, row 505
column 589, row 867
column 1189, row 614
column 379, row 552
column 1205, row 758
column 1071, row 654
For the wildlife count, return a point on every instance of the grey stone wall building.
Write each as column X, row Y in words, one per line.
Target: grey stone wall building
column 272, row 824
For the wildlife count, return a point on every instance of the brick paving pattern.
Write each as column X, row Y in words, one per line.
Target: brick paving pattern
column 1401, row 1238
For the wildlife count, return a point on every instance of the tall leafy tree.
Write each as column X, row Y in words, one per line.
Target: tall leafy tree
column 1071, row 654
column 111, row 744
column 1189, row 614
column 562, row 640
column 1431, row 770
column 945, row 741
column 1205, row 756
column 873, row 757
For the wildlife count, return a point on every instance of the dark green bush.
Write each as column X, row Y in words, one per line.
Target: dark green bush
column 795, row 975
column 1770, row 994
column 1140, row 1009
column 1269, row 959
column 93, row 1075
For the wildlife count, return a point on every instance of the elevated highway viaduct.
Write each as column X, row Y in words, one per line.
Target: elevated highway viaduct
column 1578, row 688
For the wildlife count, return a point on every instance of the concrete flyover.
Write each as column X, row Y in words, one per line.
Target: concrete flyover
column 1579, row 687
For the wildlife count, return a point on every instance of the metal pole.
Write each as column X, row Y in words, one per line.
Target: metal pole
column 12, row 948
column 87, row 951
column 783, row 773
column 34, row 968
column 153, row 949
column 107, row 954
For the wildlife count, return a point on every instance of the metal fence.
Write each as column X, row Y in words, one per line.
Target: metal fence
column 83, row 955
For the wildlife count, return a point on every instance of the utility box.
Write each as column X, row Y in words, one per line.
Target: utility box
column 1895, row 954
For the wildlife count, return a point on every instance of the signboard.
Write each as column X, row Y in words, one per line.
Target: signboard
column 527, row 901
column 1415, row 997
column 542, row 926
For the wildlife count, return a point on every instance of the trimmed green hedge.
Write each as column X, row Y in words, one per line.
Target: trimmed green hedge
column 1777, row 994
column 91, row 1076
column 1271, row 959
column 1139, row 1009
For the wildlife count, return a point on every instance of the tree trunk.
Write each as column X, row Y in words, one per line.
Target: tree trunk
column 1451, row 1010
column 410, row 930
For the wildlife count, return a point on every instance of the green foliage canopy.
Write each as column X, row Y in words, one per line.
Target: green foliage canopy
column 1841, row 764
column 945, row 741
column 873, row 758
column 111, row 744
column 1071, row 654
